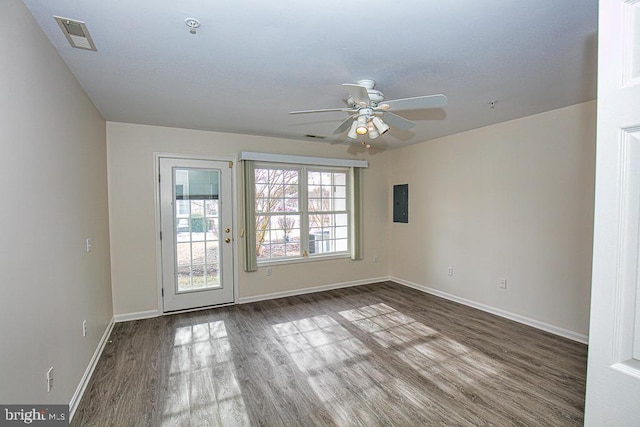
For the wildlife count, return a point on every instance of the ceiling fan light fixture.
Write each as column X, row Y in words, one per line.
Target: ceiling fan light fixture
column 361, row 125
column 373, row 132
column 366, row 107
column 352, row 132
column 381, row 126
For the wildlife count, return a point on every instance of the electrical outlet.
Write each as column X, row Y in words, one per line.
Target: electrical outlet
column 84, row 328
column 49, row 376
column 89, row 245
column 450, row 271
column 269, row 271
column 503, row 283
column 375, row 259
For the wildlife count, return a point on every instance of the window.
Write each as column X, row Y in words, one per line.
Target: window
column 301, row 211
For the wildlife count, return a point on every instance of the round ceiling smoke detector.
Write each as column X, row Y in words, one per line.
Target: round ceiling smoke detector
column 192, row 23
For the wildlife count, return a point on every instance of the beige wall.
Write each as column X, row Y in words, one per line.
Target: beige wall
column 131, row 151
column 512, row 200
column 53, row 154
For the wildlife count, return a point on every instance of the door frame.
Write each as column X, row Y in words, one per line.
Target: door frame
column 158, row 225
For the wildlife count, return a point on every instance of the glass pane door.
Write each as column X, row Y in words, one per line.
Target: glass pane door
column 197, row 235
column 197, row 228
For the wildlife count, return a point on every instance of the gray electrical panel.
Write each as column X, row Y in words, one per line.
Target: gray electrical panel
column 401, row 203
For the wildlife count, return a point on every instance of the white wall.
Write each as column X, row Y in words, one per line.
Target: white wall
column 53, row 155
column 132, row 213
column 512, row 200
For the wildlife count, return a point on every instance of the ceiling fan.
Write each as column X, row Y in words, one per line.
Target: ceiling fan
column 366, row 106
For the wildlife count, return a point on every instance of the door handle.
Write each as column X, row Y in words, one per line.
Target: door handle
column 227, row 230
column 227, row 240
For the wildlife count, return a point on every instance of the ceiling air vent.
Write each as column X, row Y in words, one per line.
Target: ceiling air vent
column 76, row 32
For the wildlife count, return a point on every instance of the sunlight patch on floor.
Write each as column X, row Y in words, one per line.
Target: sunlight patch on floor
column 202, row 381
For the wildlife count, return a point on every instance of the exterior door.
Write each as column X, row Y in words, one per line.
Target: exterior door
column 196, row 239
column 613, row 377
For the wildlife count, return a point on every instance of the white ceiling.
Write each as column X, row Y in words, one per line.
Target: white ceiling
column 252, row 62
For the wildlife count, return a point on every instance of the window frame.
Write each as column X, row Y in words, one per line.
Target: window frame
column 303, row 210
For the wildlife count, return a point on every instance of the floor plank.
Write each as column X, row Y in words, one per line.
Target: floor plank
column 380, row 354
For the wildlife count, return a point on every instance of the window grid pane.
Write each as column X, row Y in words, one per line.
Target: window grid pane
column 279, row 225
column 278, row 236
column 328, row 215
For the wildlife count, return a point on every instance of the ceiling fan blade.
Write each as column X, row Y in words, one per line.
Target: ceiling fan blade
column 322, row 110
column 343, row 126
column 417, row 102
column 358, row 93
column 395, row 121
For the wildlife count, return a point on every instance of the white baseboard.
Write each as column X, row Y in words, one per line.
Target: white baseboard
column 126, row 317
column 295, row 292
column 497, row 311
column 137, row 315
column 77, row 396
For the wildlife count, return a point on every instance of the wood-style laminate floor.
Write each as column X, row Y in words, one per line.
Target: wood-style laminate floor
column 379, row 354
